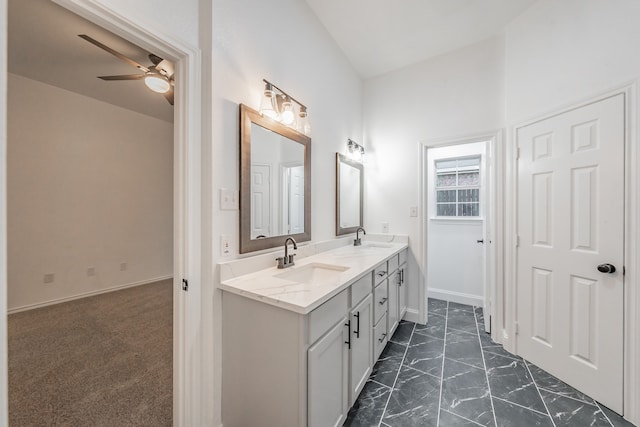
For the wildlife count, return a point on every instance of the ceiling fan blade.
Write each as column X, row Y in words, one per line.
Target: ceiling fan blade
column 155, row 59
column 124, row 77
column 113, row 52
column 169, row 96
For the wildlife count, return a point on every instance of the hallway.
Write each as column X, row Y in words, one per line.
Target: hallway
column 426, row 377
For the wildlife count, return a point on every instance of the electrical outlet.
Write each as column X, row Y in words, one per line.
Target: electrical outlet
column 385, row 227
column 228, row 199
column 49, row 278
column 91, row 271
column 225, row 246
column 123, row 266
column 413, row 211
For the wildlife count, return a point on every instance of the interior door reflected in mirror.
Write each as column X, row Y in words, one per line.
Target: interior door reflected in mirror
column 349, row 195
column 274, row 182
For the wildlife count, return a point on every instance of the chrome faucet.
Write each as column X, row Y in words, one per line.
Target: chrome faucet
column 357, row 241
column 287, row 260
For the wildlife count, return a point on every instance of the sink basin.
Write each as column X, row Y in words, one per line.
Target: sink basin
column 376, row 245
column 313, row 273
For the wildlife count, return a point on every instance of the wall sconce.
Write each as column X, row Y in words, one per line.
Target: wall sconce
column 355, row 151
column 280, row 106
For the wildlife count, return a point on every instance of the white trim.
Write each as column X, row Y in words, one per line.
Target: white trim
column 492, row 213
column 188, row 383
column 85, row 295
column 411, row 315
column 459, row 297
column 4, row 377
column 631, row 375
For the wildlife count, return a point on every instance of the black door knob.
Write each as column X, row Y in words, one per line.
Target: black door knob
column 606, row 268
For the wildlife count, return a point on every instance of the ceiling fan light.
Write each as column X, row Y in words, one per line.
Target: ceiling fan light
column 157, row 83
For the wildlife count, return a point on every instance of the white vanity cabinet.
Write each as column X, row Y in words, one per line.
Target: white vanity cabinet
column 328, row 378
column 289, row 369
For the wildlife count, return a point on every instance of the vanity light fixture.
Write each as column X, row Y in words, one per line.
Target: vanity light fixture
column 280, row 106
column 355, row 151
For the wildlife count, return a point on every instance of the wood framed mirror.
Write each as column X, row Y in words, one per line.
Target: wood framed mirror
column 349, row 195
column 275, row 183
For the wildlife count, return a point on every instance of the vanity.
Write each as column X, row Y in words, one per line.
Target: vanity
column 299, row 344
column 300, row 341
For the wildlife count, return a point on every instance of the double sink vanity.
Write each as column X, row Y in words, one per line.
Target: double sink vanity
column 299, row 343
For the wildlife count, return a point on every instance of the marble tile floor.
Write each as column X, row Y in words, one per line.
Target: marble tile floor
column 448, row 373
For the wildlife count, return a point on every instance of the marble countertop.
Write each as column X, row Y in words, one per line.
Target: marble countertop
column 266, row 286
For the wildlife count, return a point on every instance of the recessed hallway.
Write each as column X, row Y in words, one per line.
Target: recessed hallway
column 447, row 373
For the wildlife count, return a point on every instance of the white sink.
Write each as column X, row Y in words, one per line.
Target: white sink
column 313, row 273
column 376, row 245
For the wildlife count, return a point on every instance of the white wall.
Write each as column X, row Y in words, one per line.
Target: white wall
column 284, row 42
column 457, row 94
column 454, row 258
column 89, row 185
column 561, row 52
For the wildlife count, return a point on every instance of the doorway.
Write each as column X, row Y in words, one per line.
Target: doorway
column 188, row 254
column 90, row 213
column 458, row 190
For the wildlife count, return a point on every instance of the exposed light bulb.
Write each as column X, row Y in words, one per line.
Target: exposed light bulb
column 288, row 115
column 303, row 125
column 268, row 105
column 157, row 83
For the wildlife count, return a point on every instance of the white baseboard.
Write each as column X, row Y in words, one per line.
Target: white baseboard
column 460, row 298
column 412, row 315
column 85, row 295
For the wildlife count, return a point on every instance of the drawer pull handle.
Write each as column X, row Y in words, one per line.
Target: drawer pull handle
column 383, row 300
column 382, row 337
column 382, row 273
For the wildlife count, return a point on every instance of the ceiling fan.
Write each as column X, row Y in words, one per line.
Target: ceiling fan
column 157, row 77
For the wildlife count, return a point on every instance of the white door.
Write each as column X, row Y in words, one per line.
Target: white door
column 260, row 201
column 296, row 200
column 361, row 355
column 328, row 378
column 570, row 221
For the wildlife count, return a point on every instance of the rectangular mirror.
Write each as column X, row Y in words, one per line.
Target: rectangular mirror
column 275, row 183
column 349, row 195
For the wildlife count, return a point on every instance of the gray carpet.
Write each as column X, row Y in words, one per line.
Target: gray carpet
column 105, row 360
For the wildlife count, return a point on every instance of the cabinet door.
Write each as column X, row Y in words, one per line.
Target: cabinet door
column 402, row 297
column 361, row 356
column 328, row 379
column 393, row 314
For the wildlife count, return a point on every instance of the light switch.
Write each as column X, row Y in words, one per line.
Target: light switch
column 228, row 200
column 413, row 211
column 385, row 227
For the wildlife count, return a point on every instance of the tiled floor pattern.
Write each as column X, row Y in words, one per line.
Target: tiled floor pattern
column 448, row 374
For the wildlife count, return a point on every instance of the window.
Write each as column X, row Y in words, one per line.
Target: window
column 458, row 187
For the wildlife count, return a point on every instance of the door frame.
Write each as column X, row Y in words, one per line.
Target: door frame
column 493, row 161
column 631, row 350
column 188, row 221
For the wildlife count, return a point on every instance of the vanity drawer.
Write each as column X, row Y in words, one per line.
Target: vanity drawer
column 380, row 297
column 328, row 314
column 380, row 273
column 402, row 256
column 360, row 289
column 393, row 263
column 380, row 337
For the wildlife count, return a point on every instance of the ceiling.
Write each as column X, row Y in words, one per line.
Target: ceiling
column 44, row 46
column 379, row 36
